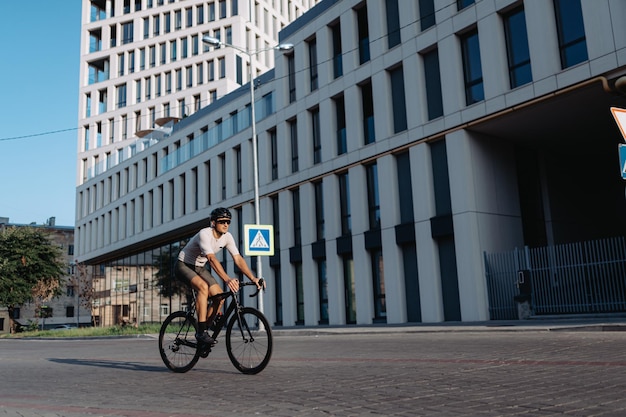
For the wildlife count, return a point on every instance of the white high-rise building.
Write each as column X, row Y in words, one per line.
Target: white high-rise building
column 143, row 64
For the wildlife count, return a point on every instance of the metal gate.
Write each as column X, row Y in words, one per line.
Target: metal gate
column 575, row 278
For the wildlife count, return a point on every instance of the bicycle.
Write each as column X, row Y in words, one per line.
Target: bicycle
column 248, row 336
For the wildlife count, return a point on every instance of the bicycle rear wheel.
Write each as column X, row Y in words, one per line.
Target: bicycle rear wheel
column 249, row 341
column 177, row 342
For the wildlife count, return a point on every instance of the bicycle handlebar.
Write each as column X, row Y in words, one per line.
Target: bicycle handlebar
column 261, row 282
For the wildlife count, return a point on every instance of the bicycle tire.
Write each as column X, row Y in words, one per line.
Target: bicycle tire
column 177, row 342
column 250, row 351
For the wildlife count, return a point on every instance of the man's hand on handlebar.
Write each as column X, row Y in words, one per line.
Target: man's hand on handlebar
column 233, row 284
column 260, row 283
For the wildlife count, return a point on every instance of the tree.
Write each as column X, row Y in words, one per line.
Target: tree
column 82, row 281
column 31, row 267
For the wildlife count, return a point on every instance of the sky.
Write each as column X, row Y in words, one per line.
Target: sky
column 39, row 82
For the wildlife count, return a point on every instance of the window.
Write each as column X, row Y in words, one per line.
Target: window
column 398, row 100
column 113, row 41
column 189, row 71
column 297, row 223
column 344, row 204
column 378, row 280
column 293, row 135
column 319, row 210
column 238, row 167
column 163, row 53
column 148, row 84
column 222, row 63
column 142, row 59
column 121, row 64
column 188, row 17
column 211, row 69
column 200, row 14
column 322, row 282
column 168, row 22
column 178, row 19
column 367, row 107
column 121, row 96
column 349, row 289
column 273, row 154
column 337, row 56
column 405, row 188
column 316, row 136
column 137, row 91
column 393, row 23
column 299, row 294
column 340, row 122
column 571, row 31
column 69, row 311
column 95, row 40
column 98, row 71
column 211, row 12
column 200, row 73
column 173, row 50
column 363, row 34
column 291, row 69
column 462, row 4
column 427, row 13
column 222, row 159
column 152, row 56
column 131, row 62
column 88, row 105
column 157, row 85
column 312, row 45
column 127, row 32
column 168, row 82
column 373, row 200
column 472, row 69
column 432, row 76
column 517, row 51
column 184, row 48
column 195, row 45
column 156, row 21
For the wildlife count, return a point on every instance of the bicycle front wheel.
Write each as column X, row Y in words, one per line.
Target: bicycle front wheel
column 177, row 342
column 249, row 341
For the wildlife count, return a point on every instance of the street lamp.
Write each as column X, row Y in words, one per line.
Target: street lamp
column 211, row 41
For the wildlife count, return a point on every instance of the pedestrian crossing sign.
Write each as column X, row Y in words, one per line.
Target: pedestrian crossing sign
column 259, row 239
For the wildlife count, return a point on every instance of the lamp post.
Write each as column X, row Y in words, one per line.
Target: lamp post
column 211, row 41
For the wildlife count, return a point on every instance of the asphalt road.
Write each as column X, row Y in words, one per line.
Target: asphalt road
column 447, row 373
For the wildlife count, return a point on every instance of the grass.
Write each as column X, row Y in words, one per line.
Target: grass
column 89, row 332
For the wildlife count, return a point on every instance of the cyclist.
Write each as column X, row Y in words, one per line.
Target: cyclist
column 190, row 268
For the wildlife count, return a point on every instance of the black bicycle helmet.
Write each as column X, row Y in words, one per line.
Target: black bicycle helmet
column 220, row 213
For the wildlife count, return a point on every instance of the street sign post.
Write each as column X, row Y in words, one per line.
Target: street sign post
column 259, row 239
column 620, row 118
column 622, row 159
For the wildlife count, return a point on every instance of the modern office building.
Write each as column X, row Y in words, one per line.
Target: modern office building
column 401, row 145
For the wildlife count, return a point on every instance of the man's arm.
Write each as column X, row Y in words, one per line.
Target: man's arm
column 243, row 267
column 216, row 265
